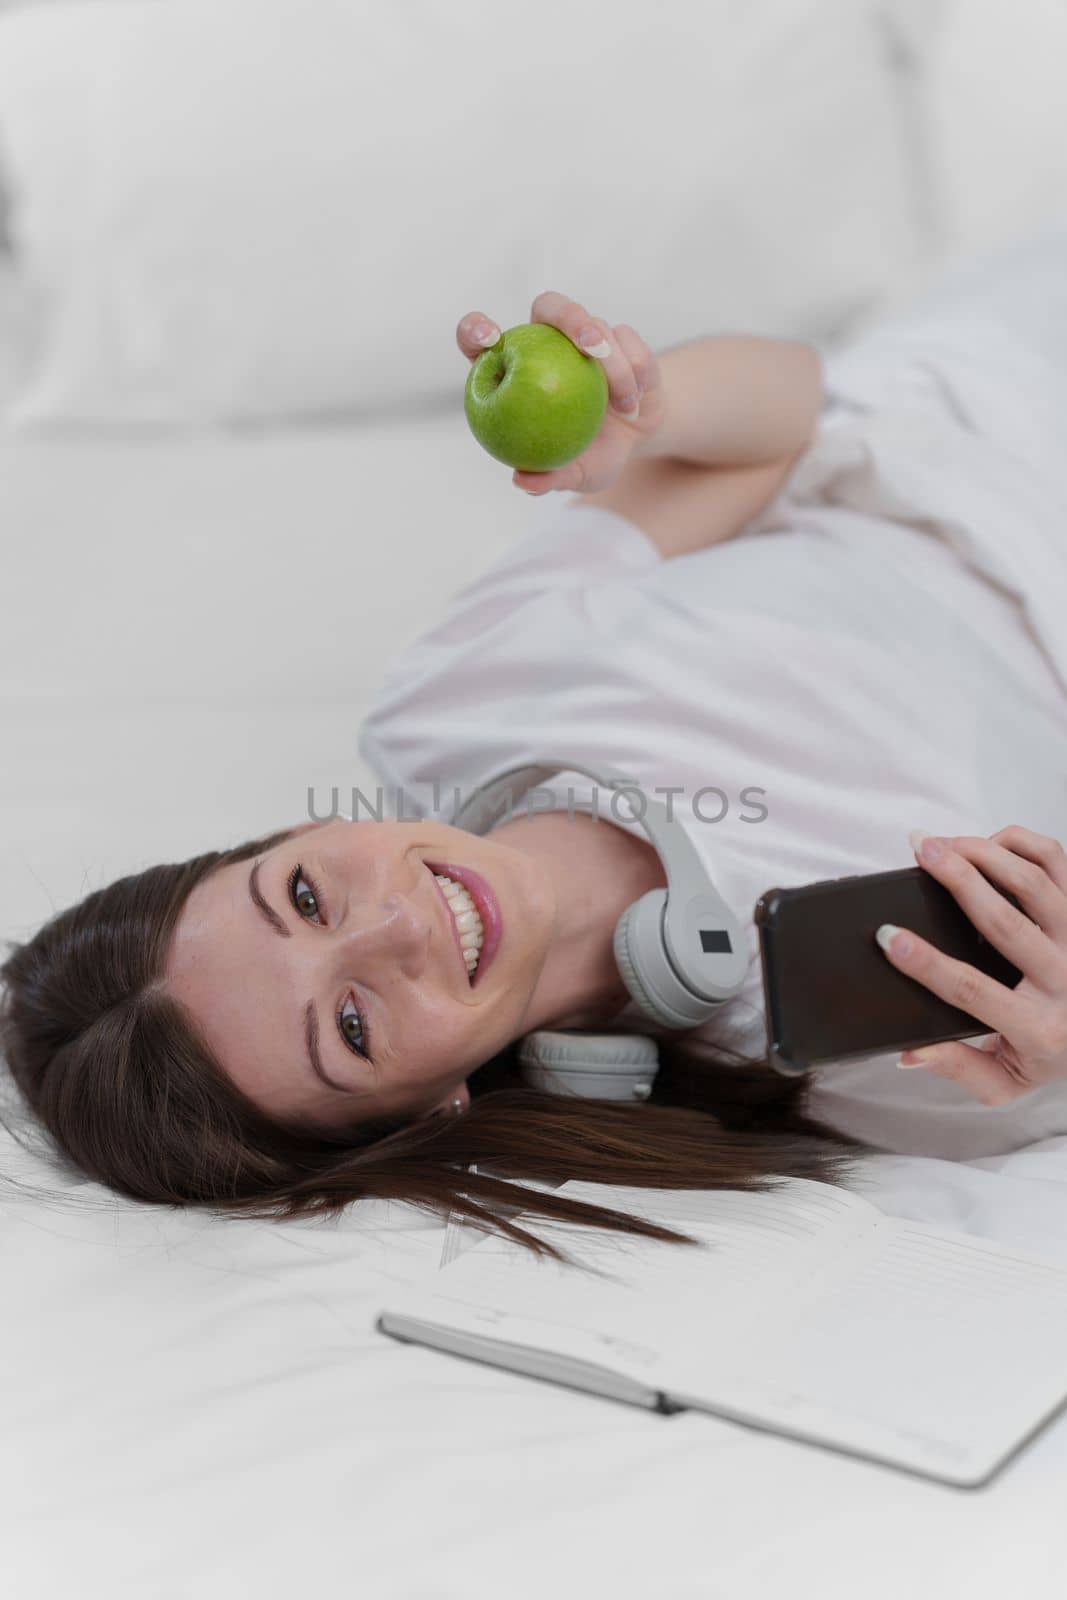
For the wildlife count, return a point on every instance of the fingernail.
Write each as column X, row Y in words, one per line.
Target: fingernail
column 485, row 333
column 593, row 342
column 926, row 845
column 888, row 931
column 919, row 1058
column 631, row 412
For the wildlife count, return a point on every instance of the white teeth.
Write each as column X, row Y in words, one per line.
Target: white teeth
column 467, row 919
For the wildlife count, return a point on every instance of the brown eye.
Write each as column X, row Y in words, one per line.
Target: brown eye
column 351, row 1026
column 302, row 895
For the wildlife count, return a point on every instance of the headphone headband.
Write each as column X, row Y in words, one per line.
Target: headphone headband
column 681, row 953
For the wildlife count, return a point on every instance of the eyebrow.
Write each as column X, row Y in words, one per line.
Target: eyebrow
column 311, row 1019
column 262, row 906
column 311, row 1039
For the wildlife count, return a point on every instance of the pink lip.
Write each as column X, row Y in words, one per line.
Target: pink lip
column 488, row 909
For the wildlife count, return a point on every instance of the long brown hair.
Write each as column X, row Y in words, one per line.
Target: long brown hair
column 115, row 1071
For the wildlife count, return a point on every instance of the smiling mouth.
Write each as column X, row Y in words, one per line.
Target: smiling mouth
column 469, row 937
column 468, row 896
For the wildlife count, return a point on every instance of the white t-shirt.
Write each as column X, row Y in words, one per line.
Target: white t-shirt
column 849, row 668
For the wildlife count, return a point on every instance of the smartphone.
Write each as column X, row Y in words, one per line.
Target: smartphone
column 831, row 993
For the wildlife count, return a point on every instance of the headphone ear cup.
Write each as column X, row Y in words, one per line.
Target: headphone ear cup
column 599, row 1066
column 622, row 943
column 641, row 957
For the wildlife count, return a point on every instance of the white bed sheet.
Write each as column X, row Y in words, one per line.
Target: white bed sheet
column 193, row 1406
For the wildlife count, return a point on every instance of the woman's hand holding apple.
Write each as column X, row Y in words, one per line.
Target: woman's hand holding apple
column 634, row 391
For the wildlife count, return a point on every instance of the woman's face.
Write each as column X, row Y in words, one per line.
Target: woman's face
column 336, row 951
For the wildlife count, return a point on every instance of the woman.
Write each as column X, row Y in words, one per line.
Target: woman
column 323, row 1014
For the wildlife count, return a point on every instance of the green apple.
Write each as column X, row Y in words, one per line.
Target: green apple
column 534, row 400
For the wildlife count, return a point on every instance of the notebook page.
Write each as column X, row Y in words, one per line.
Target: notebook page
column 933, row 1350
column 756, row 1249
column 817, row 1205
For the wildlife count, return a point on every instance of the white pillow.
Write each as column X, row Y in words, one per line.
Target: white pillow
column 265, row 208
column 992, row 88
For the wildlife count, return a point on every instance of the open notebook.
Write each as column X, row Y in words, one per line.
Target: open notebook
column 805, row 1311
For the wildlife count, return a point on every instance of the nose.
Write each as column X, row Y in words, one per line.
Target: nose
column 388, row 925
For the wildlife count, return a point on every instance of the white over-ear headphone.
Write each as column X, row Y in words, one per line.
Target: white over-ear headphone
column 680, row 951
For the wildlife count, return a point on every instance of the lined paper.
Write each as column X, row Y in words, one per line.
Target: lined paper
column 803, row 1309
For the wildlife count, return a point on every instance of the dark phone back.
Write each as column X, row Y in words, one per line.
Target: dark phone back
column 832, row 994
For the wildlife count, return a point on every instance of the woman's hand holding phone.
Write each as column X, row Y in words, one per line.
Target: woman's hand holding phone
column 1029, row 1046
column 635, row 390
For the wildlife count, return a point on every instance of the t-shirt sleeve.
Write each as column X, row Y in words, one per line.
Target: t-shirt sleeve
column 570, row 545
column 511, row 639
